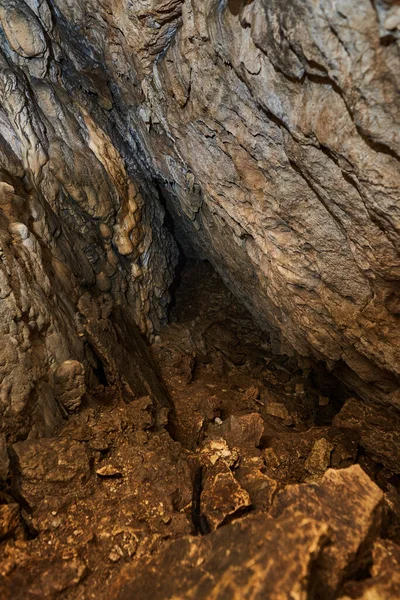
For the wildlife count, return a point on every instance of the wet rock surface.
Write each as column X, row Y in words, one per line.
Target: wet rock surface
column 223, row 499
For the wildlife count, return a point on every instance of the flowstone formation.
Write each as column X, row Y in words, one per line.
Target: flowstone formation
column 261, row 136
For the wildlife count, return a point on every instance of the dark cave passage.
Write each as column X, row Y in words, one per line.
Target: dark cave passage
column 218, row 340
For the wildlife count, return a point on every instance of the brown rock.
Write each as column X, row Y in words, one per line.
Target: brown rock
column 45, row 578
column 69, row 384
column 350, row 503
column 279, row 410
column 9, row 519
column 109, row 470
column 244, row 430
column 222, row 496
column 320, row 457
column 215, row 450
column 259, row 486
column 379, row 430
column 290, row 455
column 49, row 468
column 256, row 557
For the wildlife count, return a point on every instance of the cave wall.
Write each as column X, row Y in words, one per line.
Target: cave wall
column 287, row 116
column 81, row 227
column 270, row 130
column 284, row 118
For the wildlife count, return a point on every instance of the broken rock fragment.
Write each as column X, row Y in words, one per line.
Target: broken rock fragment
column 222, row 496
column 49, row 468
column 241, row 431
column 350, row 504
column 379, row 430
column 279, row 411
column 258, row 485
column 256, row 557
column 320, row 457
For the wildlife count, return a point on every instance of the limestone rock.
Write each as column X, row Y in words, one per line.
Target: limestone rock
column 289, row 553
column 269, row 132
column 69, row 380
column 258, row 485
column 320, row 457
column 350, row 503
column 379, row 430
column 23, row 30
column 256, row 556
column 279, row 410
column 241, row 431
column 276, row 158
column 295, row 456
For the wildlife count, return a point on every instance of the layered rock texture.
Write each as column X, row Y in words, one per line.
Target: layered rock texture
column 269, row 129
column 264, row 137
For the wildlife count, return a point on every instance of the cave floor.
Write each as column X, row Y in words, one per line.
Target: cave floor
column 121, row 504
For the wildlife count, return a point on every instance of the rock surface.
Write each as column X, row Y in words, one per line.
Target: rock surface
column 270, row 131
column 262, row 135
column 240, row 504
column 303, row 552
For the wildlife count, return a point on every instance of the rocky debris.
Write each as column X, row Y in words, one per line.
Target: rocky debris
column 320, row 457
column 139, row 494
column 294, row 456
column 277, row 556
column 69, row 384
column 45, row 578
column 109, row 470
column 279, row 410
column 114, row 505
column 240, row 431
column 343, row 498
column 222, row 496
column 258, row 485
column 379, row 430
column 42, row 466
column 256, row 557
column 213, row 451
column 9, row 519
